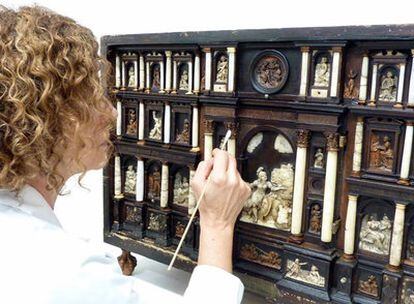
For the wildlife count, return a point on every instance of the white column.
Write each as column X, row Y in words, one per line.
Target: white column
column 336, row 63
column 191, row 197
column 299, row 184
column 194, row 132
column 208, row 139
column 373, row 84
column 400, row 92
column 168, row 72
column 139, row 191
column 167, row 123
column 136, row 73
column 330, row 186
column 411, row 88
column 406, row 157
column 304, row 73
column 117, row 71
column 164, row 186
column 359, row 130
column 124, row 74
column 174, row 84
column 141, row 121
column 141, row 73
column 117, row 177
column 397, row 235
column 231, row 51
column 197, row 73
column 190, row 77
column 349, row 241
column 119, row 118
column 162, row 76
column 207, row 75
column 148, row 72
column 363, row 82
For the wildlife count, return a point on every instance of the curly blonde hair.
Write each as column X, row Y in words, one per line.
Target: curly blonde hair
column 49, row 89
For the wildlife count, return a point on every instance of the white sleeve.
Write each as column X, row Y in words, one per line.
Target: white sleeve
column 209, row 284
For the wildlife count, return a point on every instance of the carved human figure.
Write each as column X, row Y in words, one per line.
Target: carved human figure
column 322, row 71
column 181, row 190
column 318, row 159
column 269, row 72
column 154, row 184
column 381, row 155
column 130, row 180
column 259, row 187
column 314, row 275
column 184, row 135
column 388, row 88
column 222, row 69
column 132, row 123
column 183, row 85
column 284, row 215
column 350, row 89
column 156, row 130
column 315, row 224
column 387, row 155
column 295, row 268
column 375, row 235
column 131, row 77
column 156, row 78
column 370, row 286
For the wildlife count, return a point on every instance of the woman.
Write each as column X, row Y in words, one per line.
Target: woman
column 55, row 122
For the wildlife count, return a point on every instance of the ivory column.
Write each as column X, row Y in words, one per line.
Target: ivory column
column 136, row 74
column 231, row 51
column 164, row 186
column 231, row 144
column 411, row 87
column 117, row 71
column 139, row 191
column 208, row 138
column 162, row 76
column 373, row 85
column 174, row 84
column 119, row 118
column 207, row 75
column 330, row 186
column 197, row 73
column 141, row 121
column 117, row 178
column 400, row 91
column 363, row 82
column 191, row 198
column 167, row 123
column 194, row 131
column 123, row 77
column 190, row 77
column 147, row 71
column 349, row 241
column 305, row 71
column 406, row 157
column 168, row 72
column 397, row 235
column 141, row 73
column 299, row 184
column 336, row 69
column 359, row 130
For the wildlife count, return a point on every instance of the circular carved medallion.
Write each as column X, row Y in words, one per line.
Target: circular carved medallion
column 269, row 72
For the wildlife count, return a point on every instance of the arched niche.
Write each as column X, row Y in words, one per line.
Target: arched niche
column 268, row 160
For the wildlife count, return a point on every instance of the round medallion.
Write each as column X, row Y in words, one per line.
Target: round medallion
column 269, row 72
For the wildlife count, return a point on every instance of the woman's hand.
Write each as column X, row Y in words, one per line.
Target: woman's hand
column 223, row 200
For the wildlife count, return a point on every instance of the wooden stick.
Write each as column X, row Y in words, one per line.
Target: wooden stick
column 223, row 144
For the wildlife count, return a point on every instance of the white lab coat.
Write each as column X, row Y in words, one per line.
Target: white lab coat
column 41, row 263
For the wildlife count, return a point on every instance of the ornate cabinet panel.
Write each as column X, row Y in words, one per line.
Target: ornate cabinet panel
column 322, row 129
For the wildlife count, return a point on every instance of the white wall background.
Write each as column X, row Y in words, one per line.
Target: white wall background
column 81, row 211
